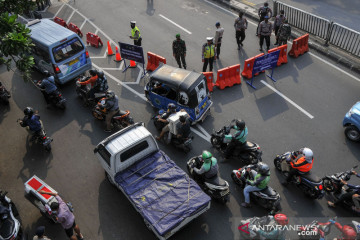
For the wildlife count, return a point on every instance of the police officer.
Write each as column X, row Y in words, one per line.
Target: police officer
column 179, row 50
column 264, row 32
column 208, row 54
column 263, row 11
column 218, row 36
column 135, row 33
column 240, row 25
column 278, row 21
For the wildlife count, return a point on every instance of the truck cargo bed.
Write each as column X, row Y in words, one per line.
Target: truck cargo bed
column 162, row 193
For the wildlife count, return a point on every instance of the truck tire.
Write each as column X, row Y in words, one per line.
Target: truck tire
column 352, row 133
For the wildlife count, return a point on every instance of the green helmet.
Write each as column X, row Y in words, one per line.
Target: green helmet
column 206, row 156
column 177, row 35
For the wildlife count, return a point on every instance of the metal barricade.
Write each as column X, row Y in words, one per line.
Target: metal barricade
column 306, row 21
column 345, row 38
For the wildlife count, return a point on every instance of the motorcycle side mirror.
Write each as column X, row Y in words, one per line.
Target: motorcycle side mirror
column 355, row 166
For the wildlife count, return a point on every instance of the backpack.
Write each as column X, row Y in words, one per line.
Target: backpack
column 101, row 82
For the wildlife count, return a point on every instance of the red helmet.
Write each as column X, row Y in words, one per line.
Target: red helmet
column 348, row 233
column 281, row 219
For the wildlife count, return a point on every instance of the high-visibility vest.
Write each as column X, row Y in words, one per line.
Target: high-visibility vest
column 304, row 168
column 133, row 31
column 209, row 51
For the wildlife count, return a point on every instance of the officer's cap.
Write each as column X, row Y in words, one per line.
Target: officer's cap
column 209, row 38
column 133, row 22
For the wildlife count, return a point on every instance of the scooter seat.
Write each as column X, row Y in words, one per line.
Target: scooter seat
column 122, row 112
column 311, row 177
column 268, row 191
column 216, row 181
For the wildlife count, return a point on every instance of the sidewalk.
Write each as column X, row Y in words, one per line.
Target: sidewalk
column 342, row 57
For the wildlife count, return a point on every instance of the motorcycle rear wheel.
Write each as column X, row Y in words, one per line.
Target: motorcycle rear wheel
column 97, row 116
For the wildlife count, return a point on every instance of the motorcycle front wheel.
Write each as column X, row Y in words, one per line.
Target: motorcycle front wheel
column 277, row 164
column 215, row 141
column 328, row 186
column 47, row 148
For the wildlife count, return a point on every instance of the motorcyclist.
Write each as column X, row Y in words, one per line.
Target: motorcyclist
column 92, row 80
column 300, row 164
column 276, row 233
column 184, row 128
column 170, row 111
column 261, row 178
column 347, row 232
column 31, row 120
column 47, row 86
column 238, row 139
column 112, row 107
column 209, row 168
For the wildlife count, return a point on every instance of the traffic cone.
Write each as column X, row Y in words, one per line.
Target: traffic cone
column 117, row 56
column 109, row 51
column 132, row 64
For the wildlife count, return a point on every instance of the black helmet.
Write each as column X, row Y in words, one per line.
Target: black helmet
column 93, row 72
column 240, row 124
column 28, row 111
column 110, row 94
column 171, row 107
column 54, row 206
column 182, row 118
column 263, row 168
column 47, row 73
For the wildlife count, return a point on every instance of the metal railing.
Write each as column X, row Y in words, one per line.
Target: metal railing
column 333, row 33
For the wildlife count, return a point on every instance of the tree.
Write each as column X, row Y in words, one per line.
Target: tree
column 15, row 42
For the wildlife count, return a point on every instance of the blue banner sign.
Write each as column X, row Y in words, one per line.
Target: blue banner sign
column 267, row 61
column 132, row 52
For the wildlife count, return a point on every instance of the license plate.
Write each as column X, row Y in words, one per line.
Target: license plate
column 204, row 105
column 73, row 61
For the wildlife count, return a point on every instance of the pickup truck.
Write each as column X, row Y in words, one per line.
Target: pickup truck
column 164, row 195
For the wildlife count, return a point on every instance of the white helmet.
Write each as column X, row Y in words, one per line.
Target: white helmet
column 308, row 153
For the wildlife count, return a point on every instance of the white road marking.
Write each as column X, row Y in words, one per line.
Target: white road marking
column 82, row 25
column 59, row 10
column 200, row 134
column 204, row 131
column 116, row 69
column 312, row 54
column 96, row 32
column 102, row 56
column 287, row 99
column 72, row 14
column 184, row 29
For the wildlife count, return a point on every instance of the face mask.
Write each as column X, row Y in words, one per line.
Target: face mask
column 54, row 212
column 265, row 7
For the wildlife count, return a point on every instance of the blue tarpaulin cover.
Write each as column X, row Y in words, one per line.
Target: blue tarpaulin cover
column 162, row 192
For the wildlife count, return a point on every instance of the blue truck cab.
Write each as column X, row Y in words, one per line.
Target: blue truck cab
column 351, row 123
column 58, row 50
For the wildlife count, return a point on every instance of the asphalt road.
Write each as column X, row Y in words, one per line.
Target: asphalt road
column 315, row 84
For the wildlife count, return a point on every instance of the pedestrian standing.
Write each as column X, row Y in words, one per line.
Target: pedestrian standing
column 208, row 54
column 218, row 37
column 284, row 33
column 263, row 11
column 278, row 21
column 65, row 217
column 264, row 32
column 40, row 234
column 135, row 33
column 179, row 50
column 240, row 25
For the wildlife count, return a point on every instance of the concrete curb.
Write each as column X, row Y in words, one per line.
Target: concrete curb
column 339, row 56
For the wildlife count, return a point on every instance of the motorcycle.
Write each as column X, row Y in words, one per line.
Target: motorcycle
column 267, row 198
column 56, row 98
column 333, row 183
column 10, row 227
column 171, row 137
column 215, row 187
column 83, row 92
column 310, row 184
column 315, row 230
column 4, row 94
column 250, row 153
column 40, row 137
column 120, row 120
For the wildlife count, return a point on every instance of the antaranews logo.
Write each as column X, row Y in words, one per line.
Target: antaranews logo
column 244, row 228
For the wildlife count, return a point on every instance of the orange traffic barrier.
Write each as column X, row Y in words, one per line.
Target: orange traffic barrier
column 75, row 29
column 306, row 48
column 93, row 39
column 235, row 77
column 209, row 80
column 60, row 21
column 259, row 55
column 248, row 68
column 274, row 50
column 154, row 61
column 110, row 51
column 132, row 64
column 283, row 54
column 228, row 76
column 222, row 74
column 117, row 55
column 303, row 43
column 294, row 52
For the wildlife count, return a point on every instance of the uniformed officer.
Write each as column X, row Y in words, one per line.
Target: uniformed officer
column 208, row 54
column 135, row 33
column 179, row 50
column 278, row 21
column 263, row 11
column 264, row 32
column 218, row 36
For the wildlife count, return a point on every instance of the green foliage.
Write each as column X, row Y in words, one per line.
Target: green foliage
column 15, row 42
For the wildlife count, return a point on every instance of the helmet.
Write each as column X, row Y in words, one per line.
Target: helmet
column 182, row 119
column 177, row 35
column 240, row 124
column 281, row 219
column 206, row 156
column 266, row 4
column 308, row 153
column 171, row 107
column 209, row 38
column 132, row 24
column 28, row 111
column 54, row 206
column 47, row 73
column 93, row 72
column 217, row 24
column 110, row 94
column 263, row 168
